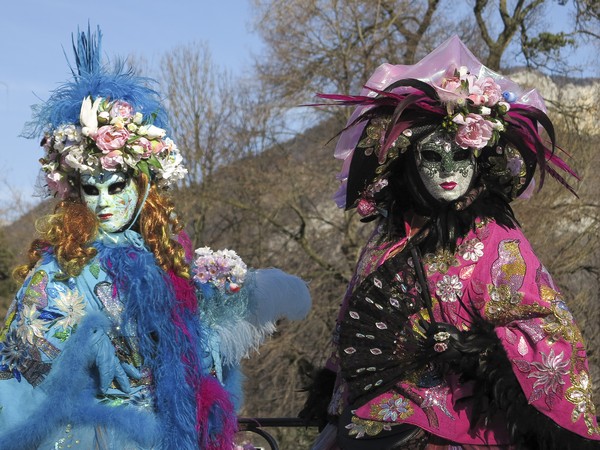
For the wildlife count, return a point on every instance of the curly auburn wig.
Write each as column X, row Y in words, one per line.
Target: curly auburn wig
column 72, row 228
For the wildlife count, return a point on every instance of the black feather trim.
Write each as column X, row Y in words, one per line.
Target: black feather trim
column 320, row 392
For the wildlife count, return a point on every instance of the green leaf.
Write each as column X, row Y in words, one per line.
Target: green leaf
column 95, row 270
column 143, row 166
column 62, row 335
column 154, row 162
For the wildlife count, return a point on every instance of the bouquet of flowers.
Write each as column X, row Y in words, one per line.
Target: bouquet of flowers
column 224, row 269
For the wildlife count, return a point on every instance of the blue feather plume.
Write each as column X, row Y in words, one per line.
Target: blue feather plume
column 92, row 78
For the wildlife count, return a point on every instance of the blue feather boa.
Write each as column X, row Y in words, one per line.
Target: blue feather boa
column 167, row 349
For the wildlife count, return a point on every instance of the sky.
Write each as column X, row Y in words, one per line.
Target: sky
column 33, row 34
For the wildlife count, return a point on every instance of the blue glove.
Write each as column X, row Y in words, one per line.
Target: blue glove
column 108, row 365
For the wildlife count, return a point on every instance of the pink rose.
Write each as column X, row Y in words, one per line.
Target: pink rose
column 121, row 109
column 109, row 138
column 485, row 92
column 451, row 84
column 145, row 145
column 158, row 147
column 111, row 160
column 491, row 90
column 473, row 131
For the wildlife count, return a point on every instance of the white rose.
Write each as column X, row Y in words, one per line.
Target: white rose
column 151, row 132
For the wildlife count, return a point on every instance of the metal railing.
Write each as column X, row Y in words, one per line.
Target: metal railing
column 257, row 425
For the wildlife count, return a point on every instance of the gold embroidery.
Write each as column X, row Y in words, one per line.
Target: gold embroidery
column 580, row 394
column 560, row 324
column 440, row 262
column 505, row 306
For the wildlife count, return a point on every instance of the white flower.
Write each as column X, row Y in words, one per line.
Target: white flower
column 471, row 250
column 104, row 116
column 449, row 288
column 88, row 115
column 137, row 118
column 118, row 122
column 76, row 159
column 72, row 306
column 550, row 372
column 30, row 325
column 172, row 166
column 151, row 132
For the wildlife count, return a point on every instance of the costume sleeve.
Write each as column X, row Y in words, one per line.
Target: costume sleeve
column 47, row 310
column 45, row 313
column 242, row 319
column 514, row 292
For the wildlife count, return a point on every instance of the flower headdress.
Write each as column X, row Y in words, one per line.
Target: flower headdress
column 451, row 89
column 104, row 119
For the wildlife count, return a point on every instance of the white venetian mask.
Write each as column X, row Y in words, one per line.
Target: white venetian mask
column 112, row 197
column 445, row 168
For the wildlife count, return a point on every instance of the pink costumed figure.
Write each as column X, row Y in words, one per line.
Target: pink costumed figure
column 452, row 334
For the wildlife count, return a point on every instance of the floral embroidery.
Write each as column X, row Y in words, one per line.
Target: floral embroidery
column 72, row 307
column 449, row 288
column 550, row 374
column 360, row 427
column 30, row 325
column 580, row 394
column 471, row 250
column 391, row 409
column 505, row 305
column 440, row 262
column 11, row 351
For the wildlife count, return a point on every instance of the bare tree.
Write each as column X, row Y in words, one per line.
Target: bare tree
column 216, row 119
column 587, row 18
column 318, row 45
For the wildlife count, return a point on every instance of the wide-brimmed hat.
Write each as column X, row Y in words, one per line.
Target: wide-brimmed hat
column 484, row 111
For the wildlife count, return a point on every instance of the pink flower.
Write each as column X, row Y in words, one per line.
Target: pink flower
column 491, row 91
column 58, row 183
column 451, row 84
column 109, row 138
column 158, row 147
column 121, row 109
column 473, row 131
column 485, row 92
column 145, row 145
column 111, row 160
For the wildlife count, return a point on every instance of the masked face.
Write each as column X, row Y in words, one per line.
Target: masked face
column 445, row 169
column 112, row 197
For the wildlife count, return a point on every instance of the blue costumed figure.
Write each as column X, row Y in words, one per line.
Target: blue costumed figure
column 121, row 337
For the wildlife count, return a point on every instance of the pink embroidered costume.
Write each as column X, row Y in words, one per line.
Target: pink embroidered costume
column 452, row 333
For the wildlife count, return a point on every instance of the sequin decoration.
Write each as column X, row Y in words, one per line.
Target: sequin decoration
column 391, row 409
column 580, row 394
column 437, row 397
column 359, row 427
column 110, row 299
column 36, row 293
